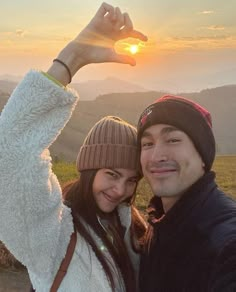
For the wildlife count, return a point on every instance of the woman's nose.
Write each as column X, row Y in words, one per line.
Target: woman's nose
column 119, row 189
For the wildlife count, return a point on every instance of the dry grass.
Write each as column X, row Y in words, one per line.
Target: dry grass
column 225, row 168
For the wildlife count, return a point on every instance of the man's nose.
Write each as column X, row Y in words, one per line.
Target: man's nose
column 159, row 153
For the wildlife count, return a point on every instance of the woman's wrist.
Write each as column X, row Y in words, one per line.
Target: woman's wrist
column 59, row 72
column 68, row 62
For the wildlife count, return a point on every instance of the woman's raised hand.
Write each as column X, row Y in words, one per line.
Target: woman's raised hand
column 98, row 38
column 95, row 43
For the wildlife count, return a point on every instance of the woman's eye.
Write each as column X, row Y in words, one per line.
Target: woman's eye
column 173, row 140
column 147, row 144
column 112, row 174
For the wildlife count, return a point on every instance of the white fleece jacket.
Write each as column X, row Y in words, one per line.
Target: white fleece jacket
column 35, row 224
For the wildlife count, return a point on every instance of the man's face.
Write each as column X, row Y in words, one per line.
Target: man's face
column 169, row 160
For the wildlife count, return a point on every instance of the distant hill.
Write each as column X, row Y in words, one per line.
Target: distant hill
column 93, row 88
column 88, row 90
column 13, row 78
column 7, row 86
column 3, row 99
column 220, row 101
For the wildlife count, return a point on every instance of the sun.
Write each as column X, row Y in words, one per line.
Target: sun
column 133, row 49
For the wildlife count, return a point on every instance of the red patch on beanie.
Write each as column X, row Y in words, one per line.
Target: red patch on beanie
column 197, row 106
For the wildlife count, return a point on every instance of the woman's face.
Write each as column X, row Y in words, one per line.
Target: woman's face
column 113, row 186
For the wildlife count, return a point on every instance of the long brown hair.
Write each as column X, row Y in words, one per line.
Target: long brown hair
column 79, row 197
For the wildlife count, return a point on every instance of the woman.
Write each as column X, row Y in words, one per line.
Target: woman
column 36, row 223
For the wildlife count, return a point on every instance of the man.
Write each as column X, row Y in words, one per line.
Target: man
column 191, row 243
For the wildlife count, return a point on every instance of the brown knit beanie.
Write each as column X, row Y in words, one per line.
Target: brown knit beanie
column 111, row 143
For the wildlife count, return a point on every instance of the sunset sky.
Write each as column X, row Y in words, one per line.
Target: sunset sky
column 192, row 44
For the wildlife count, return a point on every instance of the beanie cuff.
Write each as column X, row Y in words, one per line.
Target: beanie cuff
column 107, row 156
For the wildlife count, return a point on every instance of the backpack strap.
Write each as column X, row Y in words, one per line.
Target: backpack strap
column 65, row 263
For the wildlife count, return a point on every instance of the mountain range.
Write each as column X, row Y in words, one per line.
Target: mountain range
column 220, row 101
column 88, row 90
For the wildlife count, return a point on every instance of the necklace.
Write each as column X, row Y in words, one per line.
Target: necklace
column 104, row 224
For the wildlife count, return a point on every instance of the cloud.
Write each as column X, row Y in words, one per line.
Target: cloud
column 200, row 38
column 174, row 44
column 207, row 12
column 216, row 27
column 20, row 32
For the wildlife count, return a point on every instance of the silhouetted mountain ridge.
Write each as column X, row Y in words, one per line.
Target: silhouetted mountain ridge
column 7, row 86
column 89, row 90
column 220, row 101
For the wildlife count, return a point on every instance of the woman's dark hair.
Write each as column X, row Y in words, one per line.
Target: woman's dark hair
column 79, row 197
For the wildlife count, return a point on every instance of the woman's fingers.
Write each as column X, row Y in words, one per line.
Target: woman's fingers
column 106, row 10
column 117, row 25
column 128, row 25
column 128, row 30
column 138, row 35
column 120, row 21
column 124, row 59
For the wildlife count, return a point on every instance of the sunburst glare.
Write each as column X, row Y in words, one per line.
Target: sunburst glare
column 134, row 49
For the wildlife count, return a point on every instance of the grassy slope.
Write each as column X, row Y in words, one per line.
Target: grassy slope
column 224, row 166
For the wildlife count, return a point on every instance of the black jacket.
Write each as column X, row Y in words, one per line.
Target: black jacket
column 193, row 247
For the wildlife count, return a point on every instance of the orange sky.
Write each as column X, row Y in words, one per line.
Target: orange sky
column 191, row 45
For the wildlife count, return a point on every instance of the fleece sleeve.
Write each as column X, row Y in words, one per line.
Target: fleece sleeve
column 35, row 225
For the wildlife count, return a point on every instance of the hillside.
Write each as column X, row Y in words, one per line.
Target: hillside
column 7, row 86
column 88, row 90
column 91, row 89
column 3, row 99
column 221, row 102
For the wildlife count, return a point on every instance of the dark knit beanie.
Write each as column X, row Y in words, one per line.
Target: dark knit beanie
column 185, row 115
column 111, row 143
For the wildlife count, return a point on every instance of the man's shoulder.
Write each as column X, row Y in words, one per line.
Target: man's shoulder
column 220, row 201
column 217, row 219
column 223, row 228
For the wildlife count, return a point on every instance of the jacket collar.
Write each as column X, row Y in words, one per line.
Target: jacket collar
column 196, row 194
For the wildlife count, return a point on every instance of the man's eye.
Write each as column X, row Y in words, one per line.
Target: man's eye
column 133, row 180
